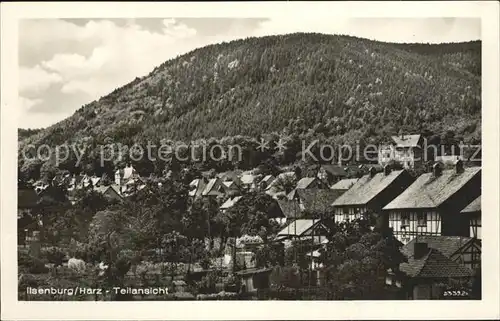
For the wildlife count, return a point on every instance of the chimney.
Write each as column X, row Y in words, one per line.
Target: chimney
column 436, row 169
column 372, row 171
column 459, row 166
column 420, row 249
column 387, row 170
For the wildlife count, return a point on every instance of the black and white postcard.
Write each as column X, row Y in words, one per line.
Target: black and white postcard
column 303, row 160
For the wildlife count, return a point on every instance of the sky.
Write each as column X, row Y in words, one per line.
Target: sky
column 67, row 63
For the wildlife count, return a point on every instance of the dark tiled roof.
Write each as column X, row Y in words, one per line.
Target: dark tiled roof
column 26, row 198
column 434, row 265
column 318, row 200
column 335, row 170
column 345, row 184
column 430, row 192
column 475, row 206
column 290, row 208
column 447, row 245
column 366, row 188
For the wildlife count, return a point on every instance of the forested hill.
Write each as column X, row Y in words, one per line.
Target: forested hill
column 339, row 87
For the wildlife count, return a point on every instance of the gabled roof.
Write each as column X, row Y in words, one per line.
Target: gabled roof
column 447, row 245
column 434, row 265
column 305, row 182
column 280, row 176
column 196, row 187
column 268, row 179
column 406, row 140
column 230, row 202
column 104, row 189
column 318, row 200
column 211, row 187
column 367, row 188
column 335, row 170
column 230, row 176
column 429, row 191
column 247, row 179
column 290, row 208
column 344, row 184
column 298, row 227
column 230, row 185
column 474, row 206
column 95, row 180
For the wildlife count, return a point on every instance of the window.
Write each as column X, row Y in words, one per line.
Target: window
column 405, row 219
column 345, row 211
column 422, row 219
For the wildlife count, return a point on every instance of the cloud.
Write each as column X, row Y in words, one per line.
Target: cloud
column 123, row 53
column 28, row 103
column 36, row 79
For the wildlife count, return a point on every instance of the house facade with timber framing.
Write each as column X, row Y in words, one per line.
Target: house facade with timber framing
column 473, row 214
column 432, row 204
column 370, row 194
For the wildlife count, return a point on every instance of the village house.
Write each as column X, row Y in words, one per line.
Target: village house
column 370, row 194
column 196, row 187
column 331, row 173
column 249, row 182
column 110, row 192
column 356, row 171
column 266, row 181
column 306, row 183
column 122, row 176
column 473, row 214
column 229, row 203
column 274, row 189
column 290, row 209
column 303, row 229
column 132, row 185
column 405, row 150
column 316, row 201
column 231, row 183
column 231, row 188
column 460, row 249
column 432, row 204
column 213, row 188
column 428, row 271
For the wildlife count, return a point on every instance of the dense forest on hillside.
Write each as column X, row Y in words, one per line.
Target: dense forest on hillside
column 336, row 88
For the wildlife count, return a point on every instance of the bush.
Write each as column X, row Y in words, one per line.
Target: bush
column 31, row 264
column 54, row 255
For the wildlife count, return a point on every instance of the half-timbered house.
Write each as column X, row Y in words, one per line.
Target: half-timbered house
column 427, row 269
column 461, row 249
column 306, row 183
column 370, row 194
column 303, row 229
column 331, row 173
column 432, row 204
column 472, row 212
column 405, row 150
